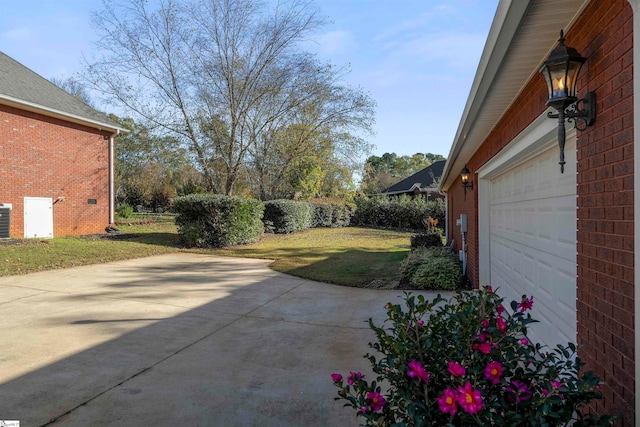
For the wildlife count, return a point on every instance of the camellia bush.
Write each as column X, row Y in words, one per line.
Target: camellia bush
column 468, row 362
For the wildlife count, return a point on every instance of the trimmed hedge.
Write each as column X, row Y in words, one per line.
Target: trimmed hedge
column 332, row 215
column 432, row 268
column 402, row 212
column 287, row 216
column 214, row 220
column 427, row 239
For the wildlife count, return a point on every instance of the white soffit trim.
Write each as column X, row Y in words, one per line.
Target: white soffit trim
column 505, row 23
column 521, row 36
column 50, row 112
column 635, row 5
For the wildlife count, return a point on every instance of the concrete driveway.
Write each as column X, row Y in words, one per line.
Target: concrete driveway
column 180, row 339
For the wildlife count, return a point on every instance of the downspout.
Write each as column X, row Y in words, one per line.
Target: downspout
column 112, row 195
column 635, row 6
column 446, row 218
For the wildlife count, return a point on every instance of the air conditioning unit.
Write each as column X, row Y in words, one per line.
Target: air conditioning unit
column 5, row 221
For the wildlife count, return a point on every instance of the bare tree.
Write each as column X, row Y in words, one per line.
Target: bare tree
column 74, row 87
column 219, row 75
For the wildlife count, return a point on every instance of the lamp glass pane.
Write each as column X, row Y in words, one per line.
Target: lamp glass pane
column 547, row 78
column 572, row 76
column 558, row 77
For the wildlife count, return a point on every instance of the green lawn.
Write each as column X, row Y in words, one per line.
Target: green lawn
column 31, row 255
column 345, row 256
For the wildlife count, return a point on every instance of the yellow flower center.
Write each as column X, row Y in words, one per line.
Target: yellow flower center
column 449, row 400
column 494, row 371
column 469, row 398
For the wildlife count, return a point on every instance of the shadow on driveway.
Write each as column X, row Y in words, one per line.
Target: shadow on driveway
column 180, row 339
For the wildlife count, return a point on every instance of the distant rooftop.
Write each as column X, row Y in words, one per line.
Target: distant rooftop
column 422, row 179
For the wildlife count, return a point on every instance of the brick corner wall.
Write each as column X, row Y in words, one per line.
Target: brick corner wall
column 51, row 158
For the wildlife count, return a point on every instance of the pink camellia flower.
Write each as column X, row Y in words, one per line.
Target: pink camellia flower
column 416, row 370
column 489, row 288
column 420, row 323
column 501, row 324
column 376, row 400
column 470, row 400
column 500, row 309
column 485, row 323
column 493, row 372
column 456, row 369
column 363, row 409
column 525, row 304
column 353, row 377
column 524, row 341
column 336, row 378
column 520, row 392
column 555, row 385
column 447, row 402
column 485, row 347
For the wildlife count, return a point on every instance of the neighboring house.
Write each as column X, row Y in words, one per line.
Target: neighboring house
column 424, row 183
column 567, row 238
column 56, row 159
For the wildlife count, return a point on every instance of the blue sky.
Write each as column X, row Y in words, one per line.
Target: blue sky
column 416, row 58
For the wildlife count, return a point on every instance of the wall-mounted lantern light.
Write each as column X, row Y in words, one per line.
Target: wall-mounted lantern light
column 560, row 71
column 466, row 183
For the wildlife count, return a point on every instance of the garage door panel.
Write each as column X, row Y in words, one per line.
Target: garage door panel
column 539, row 226
column 532, row 240
column 551, row 283
column 536, row 179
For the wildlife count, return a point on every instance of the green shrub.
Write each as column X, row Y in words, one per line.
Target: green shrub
column 468, row 362
column 427, row 239
column 287, row 216
column 124, row 211
column 213, row 220
column 432, row 268
column 332, row 214
column 403, row 212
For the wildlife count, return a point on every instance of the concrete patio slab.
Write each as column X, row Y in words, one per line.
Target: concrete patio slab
column 179, row 339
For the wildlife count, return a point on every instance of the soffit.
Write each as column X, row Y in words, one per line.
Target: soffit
column 522, row 35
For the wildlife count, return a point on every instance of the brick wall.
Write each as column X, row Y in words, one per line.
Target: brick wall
column 605, row 249
column 604, row 34
column 46, row 157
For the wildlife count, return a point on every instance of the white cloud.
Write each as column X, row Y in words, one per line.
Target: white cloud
column 18, row 34
column 338, row 42
column 455, row 48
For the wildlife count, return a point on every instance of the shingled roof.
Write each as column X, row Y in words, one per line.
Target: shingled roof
column 22, row 88
column 421, row 180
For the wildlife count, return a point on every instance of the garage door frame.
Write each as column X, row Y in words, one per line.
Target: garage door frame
column 539, row 136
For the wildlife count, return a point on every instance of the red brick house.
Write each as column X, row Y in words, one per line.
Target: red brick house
column 567, row 238
column 56, row 159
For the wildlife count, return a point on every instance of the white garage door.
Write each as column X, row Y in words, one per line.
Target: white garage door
column 532, row 240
